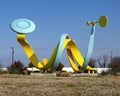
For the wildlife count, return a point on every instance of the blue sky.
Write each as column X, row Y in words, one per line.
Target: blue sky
column 55, row 17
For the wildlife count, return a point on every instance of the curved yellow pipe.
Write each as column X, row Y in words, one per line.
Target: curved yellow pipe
column 29, row 51
column 72, row 51
column 74, row 54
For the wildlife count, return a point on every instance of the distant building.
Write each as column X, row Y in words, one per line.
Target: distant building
column 33, row 69
column 100, row 70
column 68, row 69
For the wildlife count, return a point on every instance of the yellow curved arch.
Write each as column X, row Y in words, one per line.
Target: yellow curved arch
column 32, row 56
column 74, row 54
column 72, row 51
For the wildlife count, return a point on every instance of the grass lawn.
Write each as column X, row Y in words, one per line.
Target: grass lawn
column 33, row 85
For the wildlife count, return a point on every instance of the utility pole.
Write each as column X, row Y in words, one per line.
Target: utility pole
column 111, row 56
column 12, row 55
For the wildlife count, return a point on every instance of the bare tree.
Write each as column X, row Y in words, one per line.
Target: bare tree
column 92, row 63
column 103, row 61
column 30, row 65
column 115, row 62
column 1, row 66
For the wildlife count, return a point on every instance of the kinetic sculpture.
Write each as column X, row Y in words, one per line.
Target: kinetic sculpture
column 24, row 26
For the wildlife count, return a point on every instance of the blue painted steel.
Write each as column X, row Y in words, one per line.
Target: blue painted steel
column 23, row 26
column 90, row 49
column 59, row 52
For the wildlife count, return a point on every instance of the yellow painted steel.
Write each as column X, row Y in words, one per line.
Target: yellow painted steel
column 72, row 51
column 75, row 54
column 24, row 26
column 32, row 56
column 29, row 51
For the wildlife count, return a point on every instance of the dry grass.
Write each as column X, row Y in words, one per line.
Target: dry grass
column 22, row 85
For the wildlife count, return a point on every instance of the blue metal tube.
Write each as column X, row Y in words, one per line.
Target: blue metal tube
column 90, row 49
